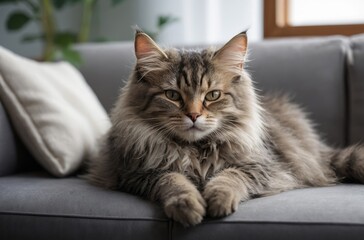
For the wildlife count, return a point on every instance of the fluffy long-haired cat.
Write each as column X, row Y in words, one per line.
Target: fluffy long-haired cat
column 190, row 132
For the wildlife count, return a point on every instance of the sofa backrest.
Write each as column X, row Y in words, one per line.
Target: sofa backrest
column 311, row 70
column 106, row 67
column 356, row 90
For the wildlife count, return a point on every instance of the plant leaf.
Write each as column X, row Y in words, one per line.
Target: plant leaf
column 8, row 1
column 71, row 56
column 17, row 20
column 32, row 37
column 59, row 4
column 165, row 19
column 65, row 39
column 116, row 2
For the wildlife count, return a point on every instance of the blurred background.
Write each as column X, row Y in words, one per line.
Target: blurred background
column 190, row 21
column 47, row 29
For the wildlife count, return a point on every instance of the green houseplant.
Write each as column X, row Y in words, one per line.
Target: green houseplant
column 58, row 44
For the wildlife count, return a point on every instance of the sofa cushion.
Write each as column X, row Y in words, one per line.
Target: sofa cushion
column 356, row 89
column 53, row 110
column 314, row 213
column 37, row 205
column 48, row 208
column 312, row 71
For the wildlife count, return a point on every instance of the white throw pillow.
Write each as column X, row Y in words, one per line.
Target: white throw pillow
column 53, row 110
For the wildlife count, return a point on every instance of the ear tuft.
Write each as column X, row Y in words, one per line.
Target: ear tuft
column 145, row 46
column 232, row 55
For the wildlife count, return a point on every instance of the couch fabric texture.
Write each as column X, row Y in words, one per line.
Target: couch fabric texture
column 325, row 75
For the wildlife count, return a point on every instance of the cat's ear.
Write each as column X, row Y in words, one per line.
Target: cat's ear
column 146, row 47
column 232, row 55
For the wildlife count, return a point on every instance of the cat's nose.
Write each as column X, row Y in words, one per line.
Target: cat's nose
column 193, row 116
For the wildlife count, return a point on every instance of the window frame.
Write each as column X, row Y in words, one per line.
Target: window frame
column 276, row 23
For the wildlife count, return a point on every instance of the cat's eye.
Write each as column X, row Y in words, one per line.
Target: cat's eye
column 213, row 95
column 173, row 95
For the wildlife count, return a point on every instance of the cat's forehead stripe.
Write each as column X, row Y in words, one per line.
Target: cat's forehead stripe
column 192, row 68
column 183, row 74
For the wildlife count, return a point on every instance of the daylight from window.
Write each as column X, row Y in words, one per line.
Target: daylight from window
column 325, row 12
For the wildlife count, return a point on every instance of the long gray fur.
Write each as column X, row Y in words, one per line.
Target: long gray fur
column 244, row 146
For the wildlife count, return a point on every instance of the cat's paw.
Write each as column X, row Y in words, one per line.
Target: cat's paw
column 187, row 208
column 221, row 201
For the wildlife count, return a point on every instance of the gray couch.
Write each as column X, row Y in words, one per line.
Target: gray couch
column 325, row 75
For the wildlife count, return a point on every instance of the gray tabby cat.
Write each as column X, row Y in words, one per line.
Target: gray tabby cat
column 189, row 131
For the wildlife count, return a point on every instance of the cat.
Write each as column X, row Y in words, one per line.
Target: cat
column 190, row 132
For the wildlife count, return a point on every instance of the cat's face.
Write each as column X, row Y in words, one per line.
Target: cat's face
column 190, row 94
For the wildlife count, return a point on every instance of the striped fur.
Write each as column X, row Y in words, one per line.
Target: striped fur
column 197, row 156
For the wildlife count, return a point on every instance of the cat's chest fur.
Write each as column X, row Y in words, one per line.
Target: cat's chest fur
column 198, row 161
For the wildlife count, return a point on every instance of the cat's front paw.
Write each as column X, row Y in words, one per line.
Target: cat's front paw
column 187, row 208
column 221, row 201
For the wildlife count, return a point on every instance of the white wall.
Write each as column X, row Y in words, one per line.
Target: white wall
column 200, row 21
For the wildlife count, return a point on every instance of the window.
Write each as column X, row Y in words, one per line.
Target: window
column 313, row 17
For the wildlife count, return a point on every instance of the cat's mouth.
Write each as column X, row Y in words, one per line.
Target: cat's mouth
column 194, row 128
column 194, row 131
